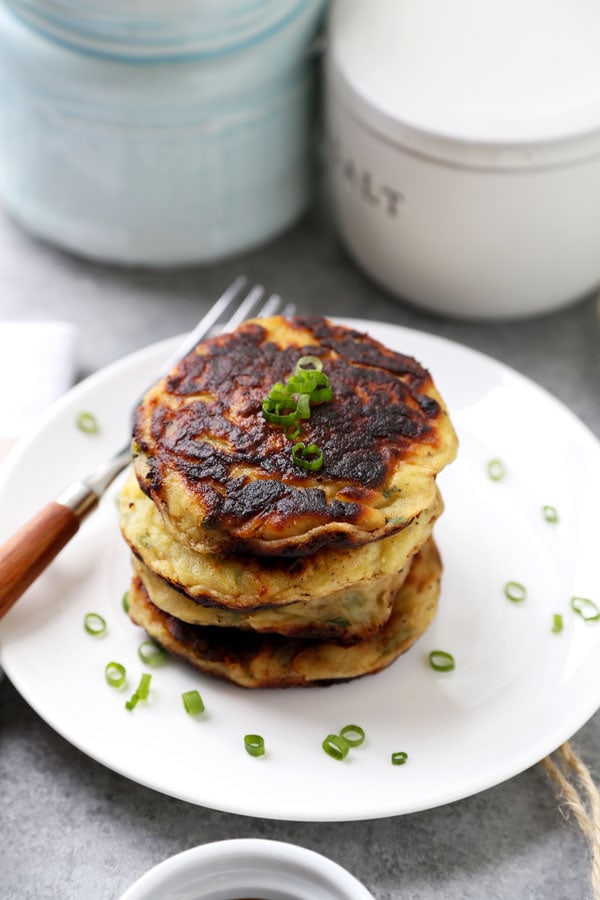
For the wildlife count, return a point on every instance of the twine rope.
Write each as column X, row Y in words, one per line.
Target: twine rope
column 578, row 794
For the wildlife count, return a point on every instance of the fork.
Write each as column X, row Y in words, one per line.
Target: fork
column 31, row 549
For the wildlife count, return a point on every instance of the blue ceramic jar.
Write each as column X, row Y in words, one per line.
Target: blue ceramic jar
column 145, row 132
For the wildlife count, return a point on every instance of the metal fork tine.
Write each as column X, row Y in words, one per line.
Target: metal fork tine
column 219, row 309
column 214, row 320
column 207, row 322
column 244, row 311
column 270, row 308
column 288, row 310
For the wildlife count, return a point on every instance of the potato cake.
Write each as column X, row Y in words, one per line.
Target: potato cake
column 223, row 478
column 343, row 594
column 268, row 660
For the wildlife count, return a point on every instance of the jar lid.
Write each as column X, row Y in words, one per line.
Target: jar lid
column 158, row 29
column 497, row 82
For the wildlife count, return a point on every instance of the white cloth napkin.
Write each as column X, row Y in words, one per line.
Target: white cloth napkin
column 37, row 365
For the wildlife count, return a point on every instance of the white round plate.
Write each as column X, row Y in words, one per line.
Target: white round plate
column 245, row 868
column 517, row 692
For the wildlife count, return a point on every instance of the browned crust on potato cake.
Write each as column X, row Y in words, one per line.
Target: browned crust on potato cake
column 203, row 430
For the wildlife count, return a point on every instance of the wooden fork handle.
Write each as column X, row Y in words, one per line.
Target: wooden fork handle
column 28, row 552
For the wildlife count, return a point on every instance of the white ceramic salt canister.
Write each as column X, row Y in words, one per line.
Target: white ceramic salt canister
column 156, row 133
column 464, row 150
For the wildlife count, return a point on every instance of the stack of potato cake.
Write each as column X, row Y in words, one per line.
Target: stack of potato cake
column 270, row 567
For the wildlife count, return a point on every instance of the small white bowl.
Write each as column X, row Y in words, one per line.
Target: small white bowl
column 247, row 869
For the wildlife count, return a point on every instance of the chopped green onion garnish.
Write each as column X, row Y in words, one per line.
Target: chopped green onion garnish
column 308, row 364
column 336, row 745
column 515, row 591
column 254, row 744
column 292, row 432
column 550, row 514
column 115, row 674
column 281, row 393
column 585, row 608
column 322, row 388
column 192, row 702
column 310, row 457
column 125, row 601
column 303, row 407
column 151, row 654
column 399, row 758
column 288, row 403
column 141, row 693
column 557, row 623
column 271, row 410
column 354, row 735
column 441, row 661
column 143, row 688
column 87, row 423
column 94, row 624
column 315, row 385
column 304, row 383
column 496, row 469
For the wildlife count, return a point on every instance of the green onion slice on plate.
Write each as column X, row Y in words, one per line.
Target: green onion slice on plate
column 143, row 688
column 585, row 608
column 192, row 703
column 354, row 735
column 254, row 744
column 515, row 591
column 87, row 423
column 496, row 469
column 115, row 674
column 557, row 623
column 399, row 758
column 132, row 702
column 550, row 514
column 141, row 693
column 151, row 654
column 441, row 661
column 336, row 746
column 94, row 624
